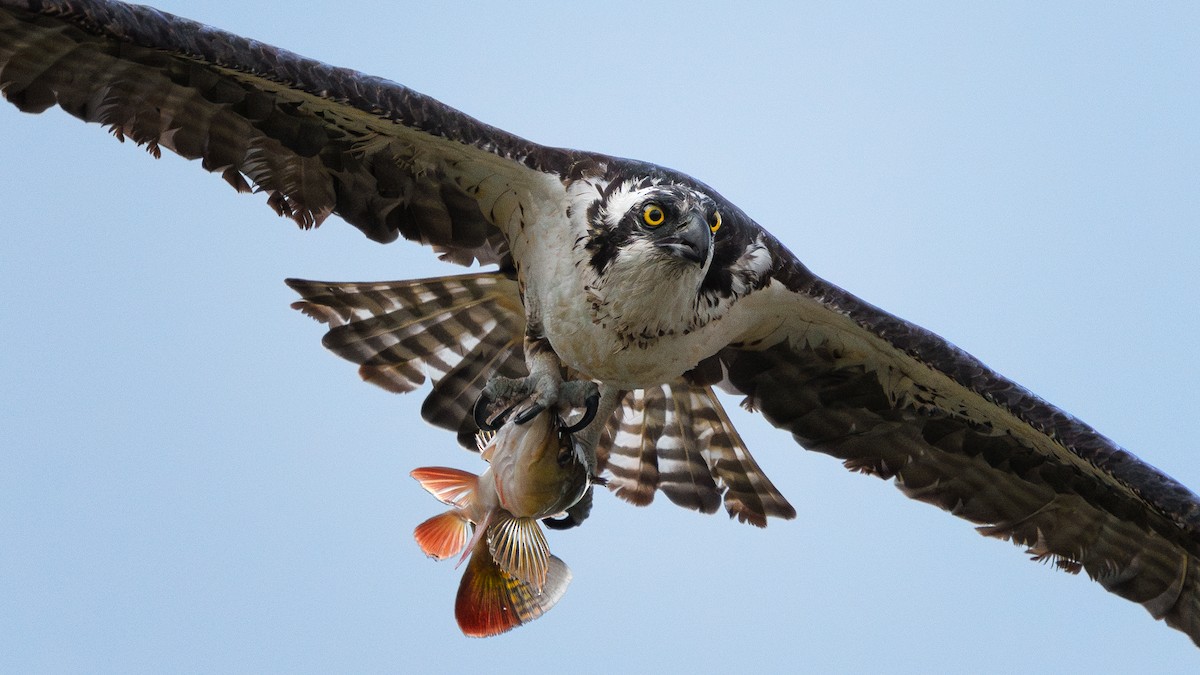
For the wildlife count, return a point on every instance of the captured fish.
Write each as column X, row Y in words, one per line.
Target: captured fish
column 536, row 472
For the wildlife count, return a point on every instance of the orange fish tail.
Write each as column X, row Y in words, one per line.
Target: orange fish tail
column 491, row 602
column 443, row 536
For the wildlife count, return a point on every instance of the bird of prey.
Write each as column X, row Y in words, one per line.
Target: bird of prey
column 617, row 271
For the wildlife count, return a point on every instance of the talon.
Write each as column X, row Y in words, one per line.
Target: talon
column 564, row 523
column 574, row 515
column 589, row 413
column 529, row 413
column 479, row 412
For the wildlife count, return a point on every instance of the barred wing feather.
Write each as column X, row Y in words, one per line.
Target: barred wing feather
column 458, row 330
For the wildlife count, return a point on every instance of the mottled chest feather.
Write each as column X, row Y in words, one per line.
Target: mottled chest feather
column 660, row 259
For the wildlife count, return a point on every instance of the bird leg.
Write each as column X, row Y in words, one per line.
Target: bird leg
column 588, row 439
column 525, row 398
column 543, row 388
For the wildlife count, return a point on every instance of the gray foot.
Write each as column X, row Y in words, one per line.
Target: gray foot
column 525, row 398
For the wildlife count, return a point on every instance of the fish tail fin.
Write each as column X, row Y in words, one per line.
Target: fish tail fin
column 491, row 602
column 519, row 547
column 444, row 535
column 450, row 486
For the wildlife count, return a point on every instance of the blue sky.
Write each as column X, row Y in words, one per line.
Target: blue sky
column 191, row 483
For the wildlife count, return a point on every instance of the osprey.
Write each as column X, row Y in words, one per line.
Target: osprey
column 621, row 272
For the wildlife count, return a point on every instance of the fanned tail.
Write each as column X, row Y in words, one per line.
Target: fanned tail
column 491, row 602
column 675, row 438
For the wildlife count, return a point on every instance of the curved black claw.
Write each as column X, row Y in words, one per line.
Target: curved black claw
column 589, row 413
column 574, row 516
column 528, row 414
column 479, row 412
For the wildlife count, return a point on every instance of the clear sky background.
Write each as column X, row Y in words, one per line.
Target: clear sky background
column 190, row 482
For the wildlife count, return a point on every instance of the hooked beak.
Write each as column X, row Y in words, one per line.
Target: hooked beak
column 691, row 241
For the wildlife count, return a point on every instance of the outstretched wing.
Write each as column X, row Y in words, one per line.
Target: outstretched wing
column 897, row 401
column 842, row 376
column 317, row 140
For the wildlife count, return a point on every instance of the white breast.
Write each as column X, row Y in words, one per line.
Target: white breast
column 633, row 331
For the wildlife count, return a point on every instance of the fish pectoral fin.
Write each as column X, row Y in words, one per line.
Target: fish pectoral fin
column 491, row 601
column 450, row 486
column 443, row 536
column 519, row 547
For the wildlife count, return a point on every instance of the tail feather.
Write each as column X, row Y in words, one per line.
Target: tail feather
column 491, row 602
column 676, row 439
column 749, row 495
column 628, row 451
column 443, row 536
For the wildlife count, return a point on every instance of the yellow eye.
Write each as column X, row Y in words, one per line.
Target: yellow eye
column 714, row 223
column 653, row 215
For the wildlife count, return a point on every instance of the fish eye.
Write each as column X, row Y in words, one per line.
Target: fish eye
column 565, row 455
column 653, row 215
column 566, row 449
column 714, row 221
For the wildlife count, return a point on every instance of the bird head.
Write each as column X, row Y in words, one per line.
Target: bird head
column 678, row 224
column 661, row 256
column 667, row 224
